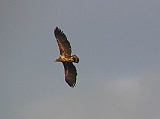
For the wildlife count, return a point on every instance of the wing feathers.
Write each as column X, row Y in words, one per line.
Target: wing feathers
column 70, row 73
column 65, row 52
column 63, row 43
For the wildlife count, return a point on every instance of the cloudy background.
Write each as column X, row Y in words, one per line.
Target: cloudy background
column 117, row 41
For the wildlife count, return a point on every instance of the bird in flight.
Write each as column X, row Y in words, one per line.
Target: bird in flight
column 66, row 58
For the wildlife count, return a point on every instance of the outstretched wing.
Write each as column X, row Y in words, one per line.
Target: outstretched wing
column 63, row 43
column 70, row 73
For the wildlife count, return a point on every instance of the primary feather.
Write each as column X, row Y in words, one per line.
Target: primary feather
column 63, row 43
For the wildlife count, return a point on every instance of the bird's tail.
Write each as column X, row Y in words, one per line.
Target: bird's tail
column 76, row 59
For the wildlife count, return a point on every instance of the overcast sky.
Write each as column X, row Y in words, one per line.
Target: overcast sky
column 117, row 41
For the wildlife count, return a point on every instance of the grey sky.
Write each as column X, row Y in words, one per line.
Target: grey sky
column 117, row 41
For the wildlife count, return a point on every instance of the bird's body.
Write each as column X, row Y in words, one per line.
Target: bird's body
column 66, row 58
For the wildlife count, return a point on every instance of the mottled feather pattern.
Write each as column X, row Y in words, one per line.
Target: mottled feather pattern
column 70, row 73
column 65, row 56
column 63, row 43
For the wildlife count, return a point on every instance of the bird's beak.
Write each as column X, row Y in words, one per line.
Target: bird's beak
column 56, row 60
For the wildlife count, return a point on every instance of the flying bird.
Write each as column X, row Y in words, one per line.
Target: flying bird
column 66, row 58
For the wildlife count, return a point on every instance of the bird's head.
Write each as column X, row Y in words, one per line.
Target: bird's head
column 57, row 60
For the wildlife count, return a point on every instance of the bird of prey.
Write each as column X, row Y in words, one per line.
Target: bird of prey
column 66, row 58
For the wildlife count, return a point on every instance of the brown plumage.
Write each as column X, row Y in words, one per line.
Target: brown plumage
column 66, row 58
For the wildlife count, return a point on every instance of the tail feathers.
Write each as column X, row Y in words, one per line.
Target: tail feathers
column 76, row 59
